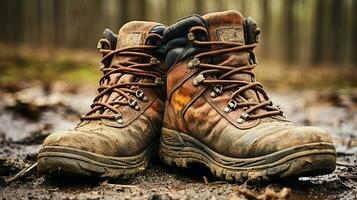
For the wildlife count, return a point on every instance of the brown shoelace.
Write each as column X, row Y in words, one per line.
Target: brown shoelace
column 222, row 83
column 123, row 89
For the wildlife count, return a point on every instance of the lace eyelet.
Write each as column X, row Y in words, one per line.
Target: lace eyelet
column 159, row 81
column 217, row 90
column 140, row 95
column 243, row 117
column 99, row 45
column 227, row 109
column 191, row 36
column 154, row 61
column 232, row 104
column 134, row 104
column 118, row 118
column 193, row 63
column 198, row 79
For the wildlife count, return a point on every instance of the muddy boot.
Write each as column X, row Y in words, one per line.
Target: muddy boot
column 217, row 114
column 120, row 133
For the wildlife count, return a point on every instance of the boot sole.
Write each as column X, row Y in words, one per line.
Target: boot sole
column 57, row 160
column 182, row 150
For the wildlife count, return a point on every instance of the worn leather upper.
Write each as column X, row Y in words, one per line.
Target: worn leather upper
column 128, row 129
column 193, row 110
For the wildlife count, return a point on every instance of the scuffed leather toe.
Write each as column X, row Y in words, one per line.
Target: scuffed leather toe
column 82, row 141
column 270, row 142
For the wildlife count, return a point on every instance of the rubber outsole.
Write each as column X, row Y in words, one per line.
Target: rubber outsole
column 57, row 160
column 182, row 150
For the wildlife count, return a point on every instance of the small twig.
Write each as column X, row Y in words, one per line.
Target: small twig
column 123, row 186
column 348, row 176
column 205, row 180
column 106, row 184
column 217, row 182
column 345, row 164
column 21, row 173
column 340, row 153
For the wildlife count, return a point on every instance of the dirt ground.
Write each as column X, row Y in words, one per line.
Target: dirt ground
column 29, row 113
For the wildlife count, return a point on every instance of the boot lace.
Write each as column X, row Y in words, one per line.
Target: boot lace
column 222, row 82
column 125, row 89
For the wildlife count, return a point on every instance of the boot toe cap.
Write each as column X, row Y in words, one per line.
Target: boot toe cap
column 81, row 141
column 288, row 138
column 301, row 136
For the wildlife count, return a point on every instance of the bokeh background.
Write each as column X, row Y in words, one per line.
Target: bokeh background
column 304, row 43
column 49, row 71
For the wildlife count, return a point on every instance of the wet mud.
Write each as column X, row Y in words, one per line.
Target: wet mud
column 29, row 114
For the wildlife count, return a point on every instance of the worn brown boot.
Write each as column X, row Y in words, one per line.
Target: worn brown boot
column 218, row 115
column 120, row 133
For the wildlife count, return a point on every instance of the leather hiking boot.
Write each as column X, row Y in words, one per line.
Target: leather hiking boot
column 120, row 133
column 216, row 113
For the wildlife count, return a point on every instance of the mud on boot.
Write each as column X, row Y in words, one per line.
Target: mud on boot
column 217, row 113
column 120, row 133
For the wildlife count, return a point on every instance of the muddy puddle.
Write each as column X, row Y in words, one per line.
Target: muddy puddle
column 28, row 115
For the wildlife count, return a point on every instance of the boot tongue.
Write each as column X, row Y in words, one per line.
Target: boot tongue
column 226, row 26
column 134, row 33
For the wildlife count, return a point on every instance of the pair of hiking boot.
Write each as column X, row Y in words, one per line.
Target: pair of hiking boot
column 188, row 92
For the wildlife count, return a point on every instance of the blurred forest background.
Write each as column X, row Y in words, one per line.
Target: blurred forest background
column 315, row 39
column 49, row 69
